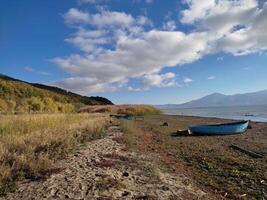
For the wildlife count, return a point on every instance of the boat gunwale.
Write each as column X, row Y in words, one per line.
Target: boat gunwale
column 221, row 124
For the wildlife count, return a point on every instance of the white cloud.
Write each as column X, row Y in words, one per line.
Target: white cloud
column 221, row 58
column 88, row 1
column 219, row 15
column 32, row 70
column 133, row 52
column 211, row 77
column 102, row 19
column 115, row 46
column 131, row 89
column 45, row 73
column 187, row 80
column 91, row 1
column 236, row 27
column 135, row 57
column 76, row 16
column 84, row 84
column 89, row 41
column 29, row 69
column 169, row 25
column 159, row 80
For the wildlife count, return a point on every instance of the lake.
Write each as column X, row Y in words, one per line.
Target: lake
column 253, row 113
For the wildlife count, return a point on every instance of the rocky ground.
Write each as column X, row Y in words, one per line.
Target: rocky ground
column 104, row 169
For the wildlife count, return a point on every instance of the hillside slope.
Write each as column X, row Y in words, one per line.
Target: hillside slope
column 20, row 96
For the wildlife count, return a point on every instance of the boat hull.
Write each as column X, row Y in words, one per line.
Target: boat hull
column 220, row 129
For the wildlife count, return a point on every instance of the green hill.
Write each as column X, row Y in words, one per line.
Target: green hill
column 18, row 96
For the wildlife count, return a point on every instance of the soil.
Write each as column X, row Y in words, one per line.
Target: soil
column 208, row 160
column 106, row 169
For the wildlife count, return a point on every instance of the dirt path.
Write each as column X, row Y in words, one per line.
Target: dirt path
column 103, row 169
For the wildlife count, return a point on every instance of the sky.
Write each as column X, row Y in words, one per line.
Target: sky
column 137, row 51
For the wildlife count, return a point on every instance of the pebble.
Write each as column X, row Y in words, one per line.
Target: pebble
column 125, row 193
column 126, row 174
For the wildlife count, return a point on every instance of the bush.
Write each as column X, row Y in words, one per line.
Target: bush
column 50, row 105
column 36, row 104
column 3, row 106
column 11, row 105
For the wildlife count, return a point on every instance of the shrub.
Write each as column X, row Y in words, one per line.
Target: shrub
column 50, row 105
column 11, row 105
column 36, row 104
column 3, row 106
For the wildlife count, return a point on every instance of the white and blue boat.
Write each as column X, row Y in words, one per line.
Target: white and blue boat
column 220, row 129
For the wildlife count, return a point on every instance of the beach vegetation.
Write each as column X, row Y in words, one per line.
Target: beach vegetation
column 134, row 110
column 31, row 143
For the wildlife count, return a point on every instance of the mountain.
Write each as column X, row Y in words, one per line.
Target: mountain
column 21, row 96
column 219, row 100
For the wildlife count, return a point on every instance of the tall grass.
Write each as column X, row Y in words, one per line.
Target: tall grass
column 29, row 144
column 136, row 110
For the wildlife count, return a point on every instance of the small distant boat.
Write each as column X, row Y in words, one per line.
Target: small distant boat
column 123, row 116
column 220, row 129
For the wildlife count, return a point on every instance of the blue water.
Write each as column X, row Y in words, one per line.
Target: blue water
column 253, row 113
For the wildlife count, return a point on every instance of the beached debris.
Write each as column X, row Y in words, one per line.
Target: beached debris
column 248, row 152
column 180, row 133
column 139, row 118
column 122, row 116
column 165, row 124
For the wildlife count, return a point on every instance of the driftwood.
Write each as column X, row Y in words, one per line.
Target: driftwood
column 248, row 152
column 139, row 118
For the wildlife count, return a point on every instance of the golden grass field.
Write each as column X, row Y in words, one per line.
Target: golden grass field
column 30, row 144
column 136, row 110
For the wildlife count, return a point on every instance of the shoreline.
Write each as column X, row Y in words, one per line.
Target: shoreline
column 252, row 113
column 209, row 160
column 235, row 118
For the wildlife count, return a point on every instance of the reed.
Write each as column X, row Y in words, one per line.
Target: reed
column 30, row 144
column 136, row 110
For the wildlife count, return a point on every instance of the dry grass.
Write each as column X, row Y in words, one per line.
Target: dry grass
column 29, row 144
column 136, row 110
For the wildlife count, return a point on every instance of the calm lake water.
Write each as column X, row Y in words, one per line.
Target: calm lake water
column 253, row 113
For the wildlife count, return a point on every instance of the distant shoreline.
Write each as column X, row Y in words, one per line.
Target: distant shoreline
column 253, row 113
column 264, row 120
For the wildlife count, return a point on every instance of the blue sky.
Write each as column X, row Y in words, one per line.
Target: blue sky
column 137, row 51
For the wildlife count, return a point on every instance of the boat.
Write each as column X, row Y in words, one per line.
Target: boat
column 123, row 116
column 220, row 129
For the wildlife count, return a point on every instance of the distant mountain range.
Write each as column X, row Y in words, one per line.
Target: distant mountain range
column 220, row 100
